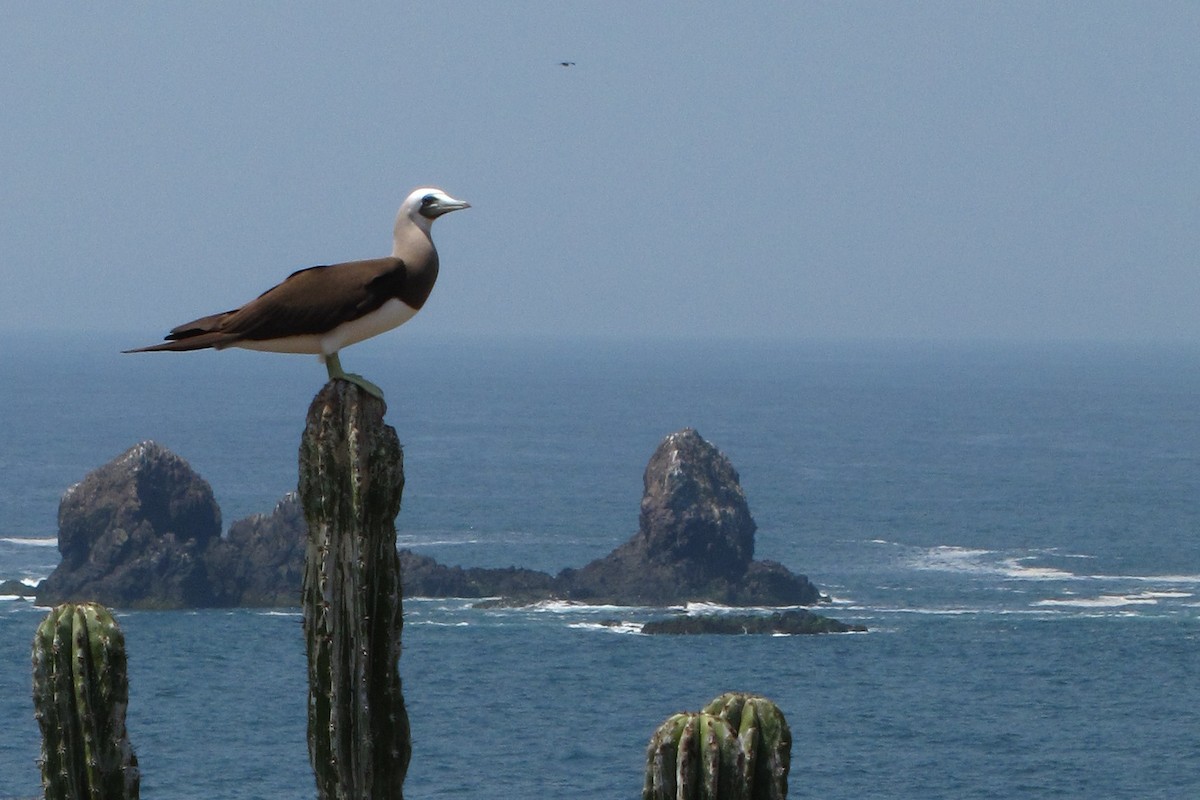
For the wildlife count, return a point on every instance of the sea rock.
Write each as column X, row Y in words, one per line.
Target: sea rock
column 260, row 561
column 17, row 589
column 143, row 531
column 425, row 577
column 791, row 622
column 695, row 540
column 132, row 533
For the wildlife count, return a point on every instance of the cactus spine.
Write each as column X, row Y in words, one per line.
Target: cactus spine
column 351, row 481
column 80, row 693
column 737, row 748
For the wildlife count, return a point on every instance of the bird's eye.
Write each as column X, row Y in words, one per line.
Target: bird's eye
column 428, row 200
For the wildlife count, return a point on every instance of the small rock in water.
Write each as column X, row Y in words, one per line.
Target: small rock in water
column 781, row 622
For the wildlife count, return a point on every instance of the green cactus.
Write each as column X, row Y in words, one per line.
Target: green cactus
column 737, row 748
column 351, row 481
column 80, row 692
column 765, row 737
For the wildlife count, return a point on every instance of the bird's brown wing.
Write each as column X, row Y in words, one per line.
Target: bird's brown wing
column 315, row 300
column 309, row 301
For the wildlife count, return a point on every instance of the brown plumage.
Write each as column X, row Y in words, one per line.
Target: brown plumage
column 323, row 309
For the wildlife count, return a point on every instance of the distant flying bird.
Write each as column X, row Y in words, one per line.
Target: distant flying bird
column 320, row 310
column 566, row 63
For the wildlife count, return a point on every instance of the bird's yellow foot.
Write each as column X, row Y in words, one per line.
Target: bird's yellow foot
column 363, row 383
column 333, row 366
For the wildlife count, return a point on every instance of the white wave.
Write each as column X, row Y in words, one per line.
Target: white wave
column 571, row 606
column 449, row 603
column 1179, row 579
column 51, row 541
column 625, row 628
column 437, row 624
column 1013, row 568
column 280, row 614
column 947, row 558
column 1025, row 566
column 942, row 611
column 975, row 561
column 1102, row 601
column 465, row 602
column 937, row 612
column 697, row 608
column 443, row 538
column 701, row 607
column 412, row 543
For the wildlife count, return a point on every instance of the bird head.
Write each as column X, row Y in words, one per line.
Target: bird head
column 426, row 204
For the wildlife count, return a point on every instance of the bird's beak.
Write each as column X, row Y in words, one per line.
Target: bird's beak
column 448, row 205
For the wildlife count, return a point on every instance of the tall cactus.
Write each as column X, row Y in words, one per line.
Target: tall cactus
column 80, row 693
column 737, row 748
column 351, row 481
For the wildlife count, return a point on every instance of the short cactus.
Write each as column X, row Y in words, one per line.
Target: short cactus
column 692, row 756
column 80, row 693
column 765, row 737
column 737, row 748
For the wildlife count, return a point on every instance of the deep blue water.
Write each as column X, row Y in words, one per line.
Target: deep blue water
column 1016, row 525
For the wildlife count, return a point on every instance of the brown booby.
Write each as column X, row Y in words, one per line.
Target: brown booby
column 320, row 310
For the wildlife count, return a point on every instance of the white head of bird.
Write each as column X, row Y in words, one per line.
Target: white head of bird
column 424, row 205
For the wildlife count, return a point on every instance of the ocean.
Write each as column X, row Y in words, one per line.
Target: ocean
column 1015, row 524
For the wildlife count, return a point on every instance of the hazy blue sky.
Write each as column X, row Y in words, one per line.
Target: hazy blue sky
column 879, row 170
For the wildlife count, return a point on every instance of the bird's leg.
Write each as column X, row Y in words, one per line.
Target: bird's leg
column 333, row 365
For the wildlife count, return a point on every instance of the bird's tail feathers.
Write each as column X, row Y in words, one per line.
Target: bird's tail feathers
column 201, row 342
column 199, row 334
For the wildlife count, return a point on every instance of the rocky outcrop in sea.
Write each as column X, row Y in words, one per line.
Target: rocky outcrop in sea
column 144, row 531
column 261, row 560
column 792, row 622
column 695, row 540
column 132, row 534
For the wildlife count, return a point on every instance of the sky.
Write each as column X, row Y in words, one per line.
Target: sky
column 783, row 170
